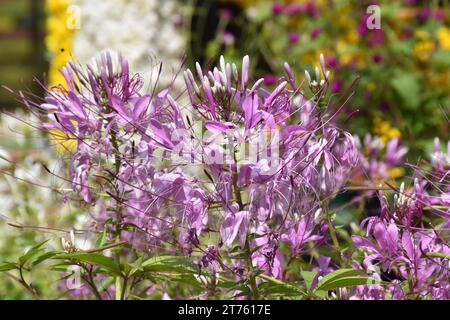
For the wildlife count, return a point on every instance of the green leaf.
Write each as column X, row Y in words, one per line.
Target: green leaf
column 7, row 266
column 132, row 268
column 92, row 258
column 437, row 255
column 338, row 274
column 118, row 288
column 278, row 286
column 31, row 253
column 308, row 277
column 322, row 294
column 185, row 278
column 442, row 56
column 347, row 282
column 101, row 241
column 170, row 264
column 407, row 87
column 44, row 257
column 263, row 13
column 59, row 268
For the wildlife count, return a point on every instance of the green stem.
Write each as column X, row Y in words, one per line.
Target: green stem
column 89, row 279
column 22, row 281
column 116, row 151
column 124, row 288
column 253, row 285
column 237, row 191
column 366, row 188
column 334, row 237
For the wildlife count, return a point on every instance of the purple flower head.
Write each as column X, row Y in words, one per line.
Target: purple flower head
column 315, row 33
column 401, row 252
column 377, row 158
column 227, row 13
column 277, row 8
column 336, row 86
column 227, row 38
column 377, row 58
column 293, row 9
column 210, row 258
column 440, row 15
column 424, row 14
column 312, row 9
column 293, row 37
column 269, row 79
column 362, row 26
column 441, row 159
column 376, row 37
column 331, row 61
column 407, row 32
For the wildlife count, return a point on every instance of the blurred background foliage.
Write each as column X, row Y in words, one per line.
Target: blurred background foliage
column 22, row 50
column 403, row 68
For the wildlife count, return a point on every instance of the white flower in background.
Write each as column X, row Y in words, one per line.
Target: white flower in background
column 26, row 190
column 145, row 31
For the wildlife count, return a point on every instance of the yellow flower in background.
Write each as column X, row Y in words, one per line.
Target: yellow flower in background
column 59, row 38
column 352, row 36
column 371, row 86
column 384, row 130
column 423, row 49
column 440, row 78
column 342, row 50
column 310, row 57
column 443, row 35
column 63, row 142
column 396, row 172
column 59, row 44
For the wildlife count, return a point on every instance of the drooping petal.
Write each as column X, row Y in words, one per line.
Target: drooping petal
column 140, row 106
column 392, row 237
column 380, row 234
column 162, row 133
column 233, row 224
column 251, row 115
column 364, row 243
column 408, row 244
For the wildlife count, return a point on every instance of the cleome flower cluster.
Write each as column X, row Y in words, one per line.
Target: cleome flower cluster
column 242, row 180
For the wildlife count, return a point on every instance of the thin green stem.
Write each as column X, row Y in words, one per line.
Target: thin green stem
column 124, row 288
column 333, row 235
column 253, row 285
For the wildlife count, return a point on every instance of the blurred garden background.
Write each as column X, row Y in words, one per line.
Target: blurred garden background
column 401, row 73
